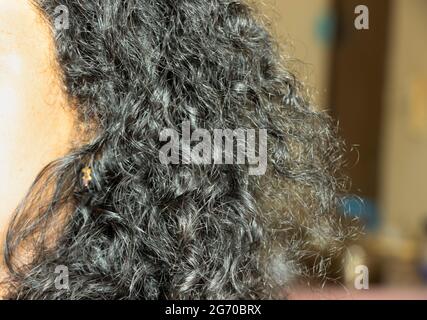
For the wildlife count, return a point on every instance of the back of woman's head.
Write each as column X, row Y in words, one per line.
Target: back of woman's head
column 139, row 228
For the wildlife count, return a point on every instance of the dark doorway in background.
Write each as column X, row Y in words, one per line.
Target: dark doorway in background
column 357, row 85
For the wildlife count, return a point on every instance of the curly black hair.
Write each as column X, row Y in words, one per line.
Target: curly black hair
column 145, row 230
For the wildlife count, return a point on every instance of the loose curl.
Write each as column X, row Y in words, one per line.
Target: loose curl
column 144, row 230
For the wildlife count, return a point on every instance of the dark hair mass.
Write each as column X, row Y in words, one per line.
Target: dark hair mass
column 144, row 230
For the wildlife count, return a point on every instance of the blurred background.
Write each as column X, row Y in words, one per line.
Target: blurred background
column 374, row 82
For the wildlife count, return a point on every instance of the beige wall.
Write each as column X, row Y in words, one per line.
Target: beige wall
column 404, row 140
column 293, row 22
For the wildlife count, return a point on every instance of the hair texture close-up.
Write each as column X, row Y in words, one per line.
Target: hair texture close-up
column 146, row 230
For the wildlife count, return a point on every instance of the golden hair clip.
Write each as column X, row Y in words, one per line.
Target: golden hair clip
column 87, row 176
